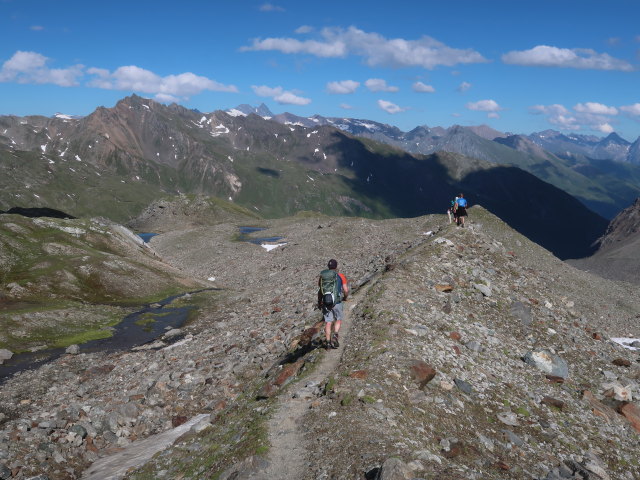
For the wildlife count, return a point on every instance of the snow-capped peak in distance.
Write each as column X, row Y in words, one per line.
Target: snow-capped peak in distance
column 64, row 116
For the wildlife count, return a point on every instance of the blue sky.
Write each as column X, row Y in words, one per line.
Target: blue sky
column 518, row 66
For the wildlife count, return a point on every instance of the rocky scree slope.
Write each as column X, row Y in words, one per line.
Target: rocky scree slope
column 432, row 371
column 61, row 417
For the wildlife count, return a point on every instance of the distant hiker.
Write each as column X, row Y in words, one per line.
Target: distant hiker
column 332, row 289
column 450, row 210
column 460, row 209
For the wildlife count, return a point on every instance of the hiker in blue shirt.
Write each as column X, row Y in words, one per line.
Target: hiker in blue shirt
column 460, row 209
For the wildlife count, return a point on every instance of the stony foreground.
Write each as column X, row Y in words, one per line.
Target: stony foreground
column 432, row 381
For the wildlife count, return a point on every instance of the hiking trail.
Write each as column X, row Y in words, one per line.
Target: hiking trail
column 288, row 453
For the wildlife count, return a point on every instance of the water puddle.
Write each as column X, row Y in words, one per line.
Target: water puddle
column 135, row 329
column 147, row 236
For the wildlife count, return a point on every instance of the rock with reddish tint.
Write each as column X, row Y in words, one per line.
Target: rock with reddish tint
column 422, row 373
column 443, row 287
column 286, row 374
column 553, row 402
column 631, row 412
column 621, row 362
column 360, row 374
column 178, row 420
column 455, row 336
column 598, row 408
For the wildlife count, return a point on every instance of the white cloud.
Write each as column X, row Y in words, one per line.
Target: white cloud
column 464, row 86
column 422, row 88
column 280, row 95
column 31, row 67
column 631, row 109
column 595, row 108
column 342, row 87
column 138, row 79
column 484, row 106
column 389, row 107
column 490, row 106
column 36, row 28
column 264, row 91
column 376, row 50
column 289, row 98
column 304, row 29
column 587, row 116
column 346, row 106
column 582, row 58
column 269, row 7
column 379, row 85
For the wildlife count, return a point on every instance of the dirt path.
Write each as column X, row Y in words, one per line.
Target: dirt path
column 288, row 453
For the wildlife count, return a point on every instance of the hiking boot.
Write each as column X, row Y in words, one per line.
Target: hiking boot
column 334, row 341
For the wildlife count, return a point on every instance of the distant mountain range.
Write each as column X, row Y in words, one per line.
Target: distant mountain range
column 604, row 174
column 117, row 161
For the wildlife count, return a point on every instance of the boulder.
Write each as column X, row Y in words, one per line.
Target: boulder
column 394, row 469
column 548, row 362
column 5, row 355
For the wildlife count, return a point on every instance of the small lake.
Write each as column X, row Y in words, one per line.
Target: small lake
column 246, row 231
column 137, row 328
column 147, row 236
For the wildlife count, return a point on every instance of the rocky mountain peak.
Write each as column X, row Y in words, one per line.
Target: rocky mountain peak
column 623, row 228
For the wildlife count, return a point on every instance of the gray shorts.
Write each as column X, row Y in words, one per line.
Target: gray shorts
column 334, row 314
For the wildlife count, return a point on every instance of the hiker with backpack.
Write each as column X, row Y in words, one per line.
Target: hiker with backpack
column 332, row 290
column 460, row 209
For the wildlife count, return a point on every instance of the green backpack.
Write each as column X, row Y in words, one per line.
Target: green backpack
column 329, row 289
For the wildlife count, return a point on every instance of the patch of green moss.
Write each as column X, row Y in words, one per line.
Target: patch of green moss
column 367, row 399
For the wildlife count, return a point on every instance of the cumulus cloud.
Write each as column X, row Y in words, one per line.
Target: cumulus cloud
column 484, row 106
column 584, row 116
column 280, row 95
column 582, row 58
column 346, row 106
column 139, row 79
column 264, row 91
column 390, row 107
column 422, row 88
column 342, row 87
column 595, row 108
column 289, row 98
column 633, row 110
column 490, row 106
column 31, row 67
column 270, row 7
column 379, row 85
column 375, row 49
column 463, row 87
column 304, row 29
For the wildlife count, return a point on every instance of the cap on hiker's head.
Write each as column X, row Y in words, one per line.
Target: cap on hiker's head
column 332, row 263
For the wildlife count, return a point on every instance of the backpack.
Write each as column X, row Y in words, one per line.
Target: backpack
column 462, row 202
column 329, row 288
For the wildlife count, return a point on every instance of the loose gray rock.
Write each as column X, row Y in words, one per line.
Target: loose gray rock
column 73, row 349
column 484, row 289
column 463, row 386
column 394, row 469
column 522, row 312
column 5, row 355
column 548, row 362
